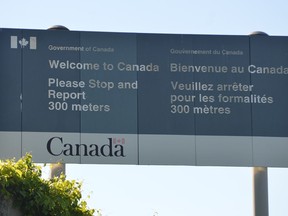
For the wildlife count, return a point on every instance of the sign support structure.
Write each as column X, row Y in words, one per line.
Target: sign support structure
column 57, row 169
column 260, row 178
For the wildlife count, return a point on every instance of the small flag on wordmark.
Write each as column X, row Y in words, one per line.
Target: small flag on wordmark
column 118, row 140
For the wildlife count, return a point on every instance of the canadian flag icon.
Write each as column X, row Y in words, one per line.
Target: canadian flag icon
column 118, row 140
column 23, row 42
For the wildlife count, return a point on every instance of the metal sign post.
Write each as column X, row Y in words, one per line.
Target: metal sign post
column 57, row 169
column 260, row 177
column 261, row 206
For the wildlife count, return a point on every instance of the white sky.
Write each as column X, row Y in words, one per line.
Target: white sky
column 170, row 191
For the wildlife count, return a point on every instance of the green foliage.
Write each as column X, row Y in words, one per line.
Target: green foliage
column 21, row 181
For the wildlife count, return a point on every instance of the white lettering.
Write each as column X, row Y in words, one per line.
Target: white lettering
column 56, row 64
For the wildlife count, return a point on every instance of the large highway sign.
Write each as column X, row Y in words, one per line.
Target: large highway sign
column 160, row 99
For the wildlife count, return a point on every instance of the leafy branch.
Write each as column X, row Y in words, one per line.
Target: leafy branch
column 22, row 183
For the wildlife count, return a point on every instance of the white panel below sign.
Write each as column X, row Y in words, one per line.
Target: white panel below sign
column 61, row 146
column 167, row 150
column 84, row 148
column 109, row 148
column 10, row 145
column 270, row 151
column 224, row 151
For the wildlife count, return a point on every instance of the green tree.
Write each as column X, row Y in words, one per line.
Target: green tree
column 21, row 182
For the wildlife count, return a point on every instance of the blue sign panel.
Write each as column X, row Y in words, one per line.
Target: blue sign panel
column 10, row 81
column 127, row 98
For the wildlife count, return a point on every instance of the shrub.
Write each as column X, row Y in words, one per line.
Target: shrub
column 21, row 182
